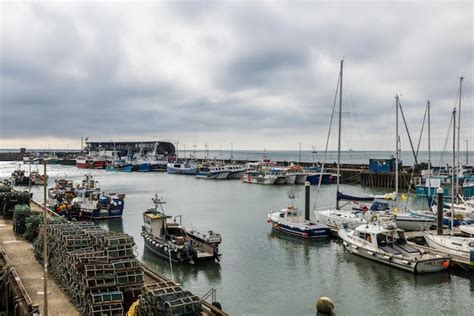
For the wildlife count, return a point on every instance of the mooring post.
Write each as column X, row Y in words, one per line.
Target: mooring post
column 325, row 306
column 307, row 187
column 439, row 217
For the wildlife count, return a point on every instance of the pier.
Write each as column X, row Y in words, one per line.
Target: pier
column 16, row 254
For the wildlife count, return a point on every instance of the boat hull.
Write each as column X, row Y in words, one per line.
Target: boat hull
column 236, row 174
column 414, row 224
column 314, row 178
column 280, row 180
column 300, row 178
column 125, row 168
column 414, row 266
column 338, row 219
column 290, row 178
column 181, row 170
column 321, row 233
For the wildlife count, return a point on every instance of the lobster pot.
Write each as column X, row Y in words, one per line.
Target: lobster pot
column 95, row 267
column 122, row 265
column 119, row 252
column 167, row 299
column 98, row 276
column 129, row 278
column 105, row 297
column 105, row 310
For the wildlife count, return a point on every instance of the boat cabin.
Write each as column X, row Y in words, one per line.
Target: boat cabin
column 385, row 237
column 154, row 222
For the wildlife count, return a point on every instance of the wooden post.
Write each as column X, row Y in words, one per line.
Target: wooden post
column 439, row 222
column 307, row 187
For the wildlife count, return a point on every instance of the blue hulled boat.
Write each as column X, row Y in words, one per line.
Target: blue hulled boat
column 288, row 221
column 119, row 165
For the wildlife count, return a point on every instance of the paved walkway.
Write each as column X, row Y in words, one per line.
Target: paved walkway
column 30, row 271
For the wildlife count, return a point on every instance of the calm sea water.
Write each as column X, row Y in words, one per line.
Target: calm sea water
column 438, row 158
column 265, row 274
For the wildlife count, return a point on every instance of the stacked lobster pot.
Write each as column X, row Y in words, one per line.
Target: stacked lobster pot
column 166, row 298
column 96, row 267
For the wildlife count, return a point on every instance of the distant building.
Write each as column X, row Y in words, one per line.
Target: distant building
column 162, row 148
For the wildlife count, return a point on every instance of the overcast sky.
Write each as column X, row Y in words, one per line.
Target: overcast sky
column 256, row 74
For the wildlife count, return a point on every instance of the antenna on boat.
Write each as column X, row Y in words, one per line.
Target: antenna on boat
column 291, row 196
column 157, row 201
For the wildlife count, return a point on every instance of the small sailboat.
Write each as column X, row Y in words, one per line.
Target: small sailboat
column 172, row 241
column 288, row 221
column 338, row 217
column 387, row 244
column 455, row 245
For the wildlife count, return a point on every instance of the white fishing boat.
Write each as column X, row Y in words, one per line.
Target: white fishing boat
column 387, row 244
column 467, row 229
column 235, row 172
column 213, row 172
column 258, row 177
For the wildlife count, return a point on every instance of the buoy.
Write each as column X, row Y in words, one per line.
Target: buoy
column 325, row 306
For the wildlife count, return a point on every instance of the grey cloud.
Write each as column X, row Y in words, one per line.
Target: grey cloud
column 76, row 76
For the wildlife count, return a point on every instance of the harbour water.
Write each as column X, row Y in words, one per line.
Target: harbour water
column 266, row 274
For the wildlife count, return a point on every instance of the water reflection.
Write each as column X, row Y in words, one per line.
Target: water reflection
column 114, row 225
column 183, row 273
column 296, row 247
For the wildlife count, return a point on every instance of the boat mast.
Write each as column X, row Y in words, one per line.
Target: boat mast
column 396, row 150
column 459, row 138
column 339, row 136
column 429, row 152
column 453, row 172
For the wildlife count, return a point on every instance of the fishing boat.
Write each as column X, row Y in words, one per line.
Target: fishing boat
column 172, row 241
column 298, row 173
column 19, row 178
column 258, row 177
column 93, row 204
column 288, row 221
column 280, row 177
column 157, row 162
column 186, row 168
column 119, row 165
column 213, row 172
column 235, row 172
column 387, row 244
column 313, row 178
